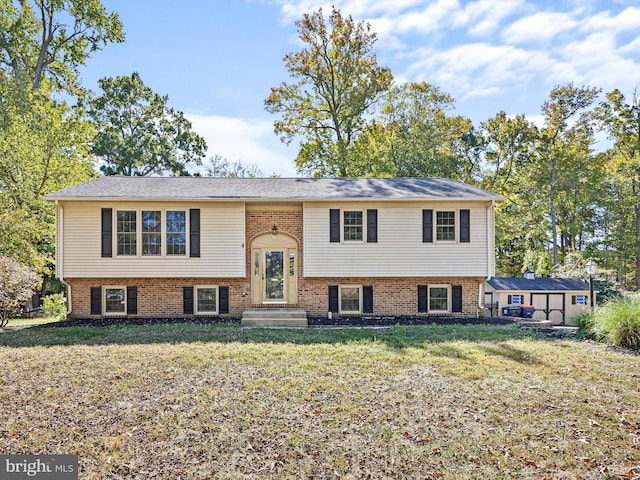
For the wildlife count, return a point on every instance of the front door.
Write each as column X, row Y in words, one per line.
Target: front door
column 274, row 277
column 274, row 270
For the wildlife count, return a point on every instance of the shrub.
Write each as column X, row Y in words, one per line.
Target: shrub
column 55, row 305
column 17, row 285
column 618, row 322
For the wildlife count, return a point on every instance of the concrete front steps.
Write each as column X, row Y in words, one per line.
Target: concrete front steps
column 274, row 318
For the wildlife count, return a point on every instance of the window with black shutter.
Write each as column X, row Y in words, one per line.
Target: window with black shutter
column 96, row 300
column 367, row 299
column 187, row 300
column 194, row 232
column 422, row 299
column 427, row 226
column 333, row 298
column 223, row 293
column 372, row 226
column 334, row 225
column 107, row 232
column 465, row 226
column 456, row 298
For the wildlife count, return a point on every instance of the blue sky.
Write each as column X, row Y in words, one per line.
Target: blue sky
column 217, row 60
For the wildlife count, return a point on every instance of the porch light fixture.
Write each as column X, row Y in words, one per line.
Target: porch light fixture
column 274, row 231
column 591, row 268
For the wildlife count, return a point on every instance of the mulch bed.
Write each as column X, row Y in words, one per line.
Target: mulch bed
column 313, row 321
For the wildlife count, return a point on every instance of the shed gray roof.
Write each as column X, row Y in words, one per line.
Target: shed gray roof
column 544, row 284
column 248, row 189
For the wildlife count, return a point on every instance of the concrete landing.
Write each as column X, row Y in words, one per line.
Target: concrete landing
column 274, row 318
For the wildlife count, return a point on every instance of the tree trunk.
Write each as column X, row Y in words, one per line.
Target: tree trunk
column 636, row 209
column 552, row 212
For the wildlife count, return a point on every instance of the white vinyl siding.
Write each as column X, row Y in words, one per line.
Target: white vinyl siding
column 399, row 251
column 222, row 242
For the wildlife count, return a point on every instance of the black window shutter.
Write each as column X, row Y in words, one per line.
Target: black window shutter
column 573, row 299
column 194, row 232
column 422, row 299
column 96, row 300
column 223, row 297
column 334, row 225
column 465, row 226
column 508, row 299
column 372, row 226
column 132, row 300
column 367, row 299
column 427, row 226
column 187, row 300
column 333, row 298
column 456, row 301
column 107, row 232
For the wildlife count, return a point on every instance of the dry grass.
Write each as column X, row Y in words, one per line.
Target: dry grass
column 197, row 402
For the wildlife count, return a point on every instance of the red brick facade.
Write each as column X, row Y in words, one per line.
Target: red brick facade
column 163, row 297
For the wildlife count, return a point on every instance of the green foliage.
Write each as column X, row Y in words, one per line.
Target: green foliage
column 52, row 38
column 17, row 285
column 620, row 119
column 55, row 305
column 414, row 135
column 337, row 79
column 617, row 322
column 44, row 147
column 138, row 133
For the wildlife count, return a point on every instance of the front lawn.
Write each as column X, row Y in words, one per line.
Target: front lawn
column 202, row 401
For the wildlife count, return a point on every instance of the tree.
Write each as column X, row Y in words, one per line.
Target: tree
column 413, row 135
column 138, row 134
column 44, row 147
column 17, row 285
column 507, row 149
column 564, row 145
column 621, row 120
column 222, row 167
column 337, row 79
column 52, row 38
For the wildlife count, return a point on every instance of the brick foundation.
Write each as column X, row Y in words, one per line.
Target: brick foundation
column 162, row 297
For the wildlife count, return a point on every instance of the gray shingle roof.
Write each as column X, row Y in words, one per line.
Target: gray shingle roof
column 545, row 284
column 206, row 188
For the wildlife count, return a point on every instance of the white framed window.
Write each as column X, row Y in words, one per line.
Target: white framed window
column 445, row 226
column 151, row 232
column 176, row 232
column 516, row 299
column 114, row 299
column 439, row 298
column 581, row 300
column 126, row 232
column 159, row 232
column 350, row 298
column 353, row 225
column 206, row 300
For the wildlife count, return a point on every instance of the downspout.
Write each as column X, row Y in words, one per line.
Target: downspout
column 60, row 252
column 490, row 254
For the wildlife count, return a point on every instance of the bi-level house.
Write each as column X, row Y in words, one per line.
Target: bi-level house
column 184, row 246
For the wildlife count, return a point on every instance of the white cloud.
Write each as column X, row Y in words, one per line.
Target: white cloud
column 478, row 69
column 249, row 141
column 541, row 26
column 628, row 19
column 484, row 17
